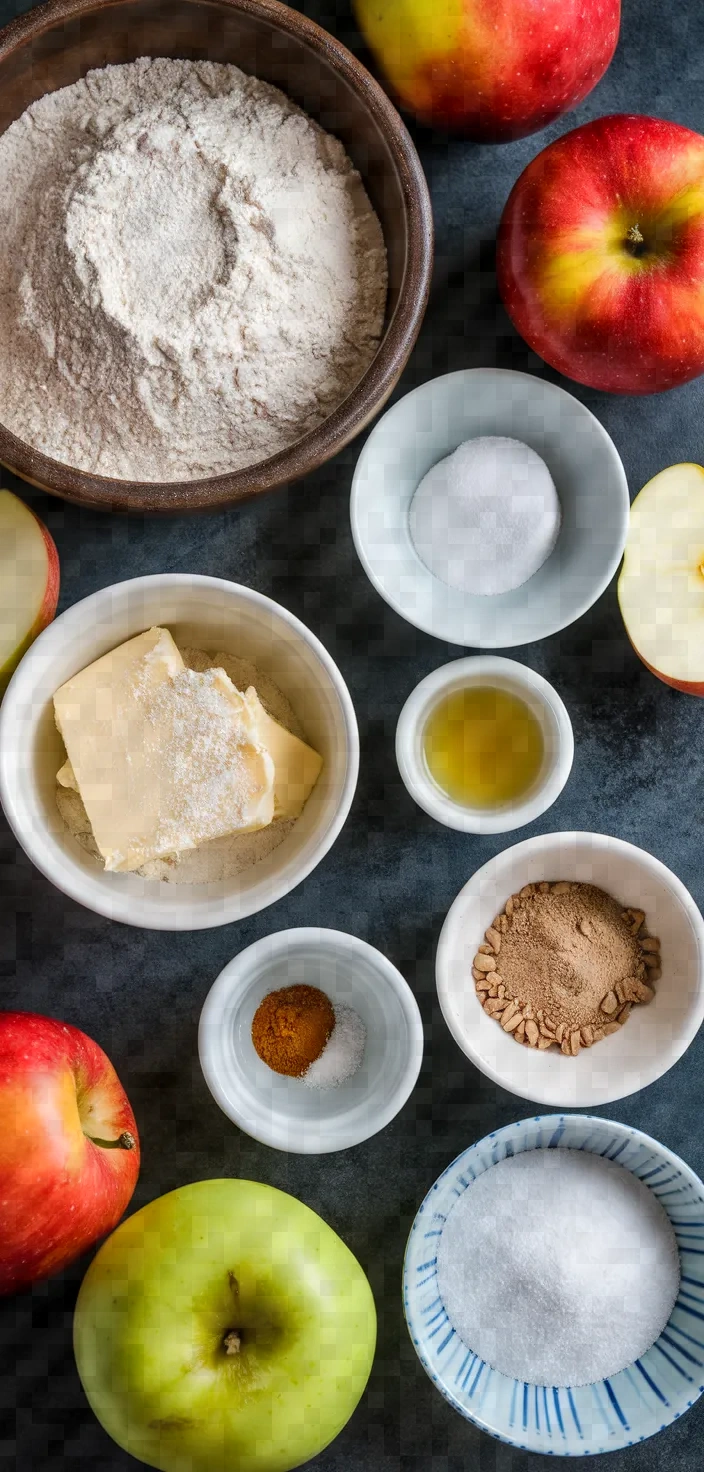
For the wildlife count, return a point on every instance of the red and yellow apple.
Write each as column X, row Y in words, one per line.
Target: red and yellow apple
column 661, row 586
column 69, row 1150
column 224, row 1328
column 29, row 581
column 601, row 254
column 492, row 69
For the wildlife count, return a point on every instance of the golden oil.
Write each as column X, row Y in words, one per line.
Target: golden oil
column 483, row 746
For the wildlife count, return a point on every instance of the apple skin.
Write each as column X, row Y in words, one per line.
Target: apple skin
column 663, row 569
column 47, row 608
column 159, row 1299
column 491, row 69
column 59, row 1191
column 606, row 310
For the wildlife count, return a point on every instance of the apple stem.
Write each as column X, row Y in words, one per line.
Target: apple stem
column 232, row 1343
column 125, row 1141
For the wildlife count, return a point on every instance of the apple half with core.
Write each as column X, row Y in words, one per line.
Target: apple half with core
column 224, row 1328
column 491, row 69
column 661, row 586
column 600, row 257
column 69, row 1150
column 29, row 581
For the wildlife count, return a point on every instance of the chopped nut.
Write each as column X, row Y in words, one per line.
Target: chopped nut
column 544, row 1043
column 527, row 891
column 575, row 1042
column 586, row 927
column 609, row 1003
column 560, row 1031
column 501, row 924
column 477, row 974
column 643, row 993
column 611, row 1027
column 549, row 1023
column 562, row 887
column 546, row 1032
column 587, row 1036
column 508, row 1012
column 494, row 939
column 565, row 1047
column 485, row 950
column 513, row 1022
column 650, row 943
column 493, row 987
column 620, row 989
column 482, row 985
column 484, row 963
column 637, row 919
column 494, row 1006
column 501, row 990
column 532, row 1033
column 544, row 887
column 651, row 959
column 528, row 1012
column 598, row 1034
column 625, row 1013
column 509, row 907
column 520, row 1032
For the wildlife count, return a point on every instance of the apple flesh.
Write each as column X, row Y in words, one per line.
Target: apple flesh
column 224, row 1328
column 491, row 69
column 29, row 581
column 661, row 586
column 601, row 254
column 69, row 1150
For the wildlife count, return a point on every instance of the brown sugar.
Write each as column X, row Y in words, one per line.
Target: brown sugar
column 563, row 964
column 291, row 1027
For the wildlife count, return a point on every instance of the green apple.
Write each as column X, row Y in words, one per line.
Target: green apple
column 224, row 1328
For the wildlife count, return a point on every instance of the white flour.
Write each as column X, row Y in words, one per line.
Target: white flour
column 191, row 274
column 221, row 858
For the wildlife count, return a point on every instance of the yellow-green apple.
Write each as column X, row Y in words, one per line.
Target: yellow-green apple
column 601, row 254
column 29, row 581
column 224, row 1328
column 492, row 69
column 69, row 1150
column 661, row 587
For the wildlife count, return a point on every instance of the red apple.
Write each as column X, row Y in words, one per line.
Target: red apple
column 492, row 69
column 69, row 1150
column 661, row 587
column 601, row 254
column 29, row 581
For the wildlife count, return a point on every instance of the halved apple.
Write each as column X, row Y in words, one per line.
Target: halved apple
column 661, row 587
column 29, row 581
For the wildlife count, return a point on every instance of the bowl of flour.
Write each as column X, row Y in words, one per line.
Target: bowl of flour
column 210, row 283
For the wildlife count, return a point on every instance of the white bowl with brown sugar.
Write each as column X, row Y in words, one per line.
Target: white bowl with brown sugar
column 262, row 643
column 577, row 886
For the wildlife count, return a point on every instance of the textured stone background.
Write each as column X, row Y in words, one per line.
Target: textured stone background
column 393, row 873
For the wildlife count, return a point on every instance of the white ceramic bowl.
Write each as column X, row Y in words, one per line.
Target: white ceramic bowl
column 503, row 674
column 428, row 424
column 655, row 1035
column 565, row 1421
column 284, row 1112
column 205, row 613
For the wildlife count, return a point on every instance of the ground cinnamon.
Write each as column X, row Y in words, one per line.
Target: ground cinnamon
column 563, row 964
column 291, row 1027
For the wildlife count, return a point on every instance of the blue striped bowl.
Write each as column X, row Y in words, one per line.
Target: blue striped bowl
column 567, row 1422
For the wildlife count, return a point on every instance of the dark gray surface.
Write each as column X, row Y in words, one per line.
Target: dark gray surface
column 393, row 873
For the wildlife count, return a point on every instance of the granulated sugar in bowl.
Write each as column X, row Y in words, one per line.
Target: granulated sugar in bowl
column 553, row 1285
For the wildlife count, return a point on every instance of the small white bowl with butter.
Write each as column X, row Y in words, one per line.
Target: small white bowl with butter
column 416, row 435
column 198, row 614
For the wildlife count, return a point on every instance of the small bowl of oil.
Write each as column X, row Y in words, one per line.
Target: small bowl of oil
column 484, row 745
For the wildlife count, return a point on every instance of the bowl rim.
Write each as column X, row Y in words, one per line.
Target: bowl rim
column 238, row 975
column 439, row 628
column 367, row 396
column 558, row 1120
column 420, row 785
column 581, row 838
column 68, row 878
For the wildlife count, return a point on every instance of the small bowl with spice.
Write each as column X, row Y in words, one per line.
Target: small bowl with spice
column 581, row 1333
column 570, row 969
column 489, row 508
column 484, row 745
column 310, row 1040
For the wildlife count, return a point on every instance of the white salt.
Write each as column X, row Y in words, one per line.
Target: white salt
column 485, row 518
column 342, row 1054
column 558, row 1267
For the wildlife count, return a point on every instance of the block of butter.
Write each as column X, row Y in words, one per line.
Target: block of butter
column 296, row 766
column 164, row 757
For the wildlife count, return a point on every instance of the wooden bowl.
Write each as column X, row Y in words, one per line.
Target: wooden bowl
column 56, row 44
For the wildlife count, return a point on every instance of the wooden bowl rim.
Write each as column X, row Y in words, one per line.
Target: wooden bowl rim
column 373, row 389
